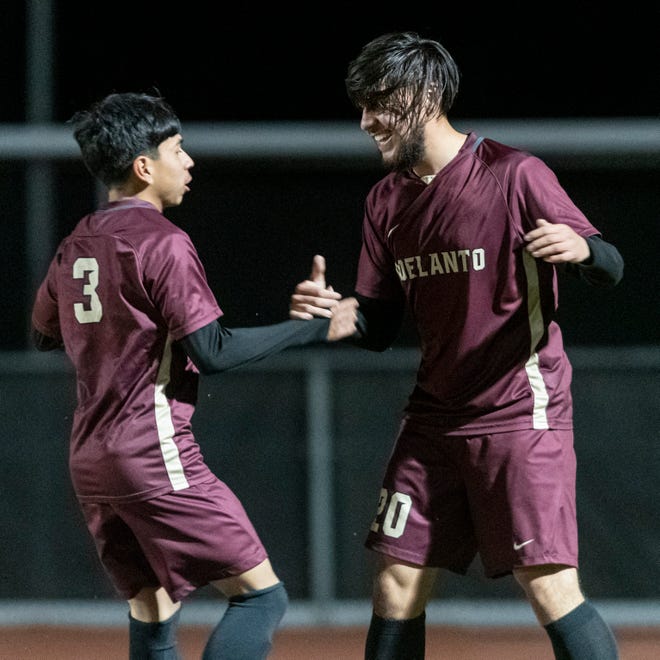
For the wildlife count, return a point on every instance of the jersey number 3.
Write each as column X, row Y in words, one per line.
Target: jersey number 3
column 92, row 310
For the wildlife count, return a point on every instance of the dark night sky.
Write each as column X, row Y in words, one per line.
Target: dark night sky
column 285, row 64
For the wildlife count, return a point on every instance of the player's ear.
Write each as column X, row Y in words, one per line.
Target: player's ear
column 142, row 168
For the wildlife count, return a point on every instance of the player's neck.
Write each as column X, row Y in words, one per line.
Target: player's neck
column 146, row 195
column 442, row 143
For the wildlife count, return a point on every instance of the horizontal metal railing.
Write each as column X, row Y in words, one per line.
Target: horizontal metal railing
column 319, row 366
column 610, row 143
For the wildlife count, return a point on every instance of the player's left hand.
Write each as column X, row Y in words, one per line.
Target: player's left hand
column 556, row 243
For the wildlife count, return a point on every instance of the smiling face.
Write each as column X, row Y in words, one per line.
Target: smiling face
column 402, row 83
column 401, row 143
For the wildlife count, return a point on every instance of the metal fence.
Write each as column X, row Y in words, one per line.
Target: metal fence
column 302, row 438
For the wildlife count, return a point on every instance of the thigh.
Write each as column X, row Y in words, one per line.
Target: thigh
column 194, row 536
column 423, row 515
column 119, row 550
column 521, row 489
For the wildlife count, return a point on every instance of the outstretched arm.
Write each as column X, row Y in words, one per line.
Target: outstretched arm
column 592, row 259
column 215, row 348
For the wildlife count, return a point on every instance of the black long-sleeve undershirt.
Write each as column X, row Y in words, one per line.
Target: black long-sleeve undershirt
column 603, row 268
column 215, row 348
column 379, row 323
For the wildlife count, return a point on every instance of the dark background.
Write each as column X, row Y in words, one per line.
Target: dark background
column 263, row 62
column 257, row 224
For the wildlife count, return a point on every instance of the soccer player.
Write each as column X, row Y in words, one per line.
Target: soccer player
column 469, row 234
column 128, row 300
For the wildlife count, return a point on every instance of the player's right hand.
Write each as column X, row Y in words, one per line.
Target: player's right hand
column 344, row 319
column 311, row 297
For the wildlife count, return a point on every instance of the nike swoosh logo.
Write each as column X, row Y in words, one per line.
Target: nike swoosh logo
column 391, row 230
column 517, row 546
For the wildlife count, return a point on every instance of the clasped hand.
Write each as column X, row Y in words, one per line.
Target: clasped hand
column 312, row 298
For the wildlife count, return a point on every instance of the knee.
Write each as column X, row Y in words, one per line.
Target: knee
column 273, row 601
column 552, row 590
column 247, row 627
column 548, row 578
column 152, row 604
column 278, row 601
column 399, row 597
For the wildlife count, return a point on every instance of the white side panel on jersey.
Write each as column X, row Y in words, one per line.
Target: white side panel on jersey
column 164, row 423
column 536, row 382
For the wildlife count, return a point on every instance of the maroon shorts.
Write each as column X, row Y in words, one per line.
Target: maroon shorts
column 181, row 540
column 508, row 496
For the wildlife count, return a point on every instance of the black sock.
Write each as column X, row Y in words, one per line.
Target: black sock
column 246, row 629
column 394, row 639
column 582, row 634
column 153, row 641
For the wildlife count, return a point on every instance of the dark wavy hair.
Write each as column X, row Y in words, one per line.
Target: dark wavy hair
column 412, row 77
column 114, row 131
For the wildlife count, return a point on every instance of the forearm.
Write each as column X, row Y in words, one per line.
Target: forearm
column 214, row 348
column 379, row 323
column 603, row 268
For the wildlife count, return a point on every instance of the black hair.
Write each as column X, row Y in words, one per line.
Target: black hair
column 114, row 131
column 412, row 77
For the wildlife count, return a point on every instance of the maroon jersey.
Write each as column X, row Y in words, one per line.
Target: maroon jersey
column 121, row 288
column 492, row 357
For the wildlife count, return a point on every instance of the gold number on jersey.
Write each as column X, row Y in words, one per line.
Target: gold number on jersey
column 92, row 311
column 396, row 508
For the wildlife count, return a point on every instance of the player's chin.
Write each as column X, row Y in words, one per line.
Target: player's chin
column 175, row 200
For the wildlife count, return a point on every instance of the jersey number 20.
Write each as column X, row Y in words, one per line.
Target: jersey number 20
column 392, row 513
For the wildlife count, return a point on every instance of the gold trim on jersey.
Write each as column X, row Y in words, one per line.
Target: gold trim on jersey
column 535, row 317
column 164, row 422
